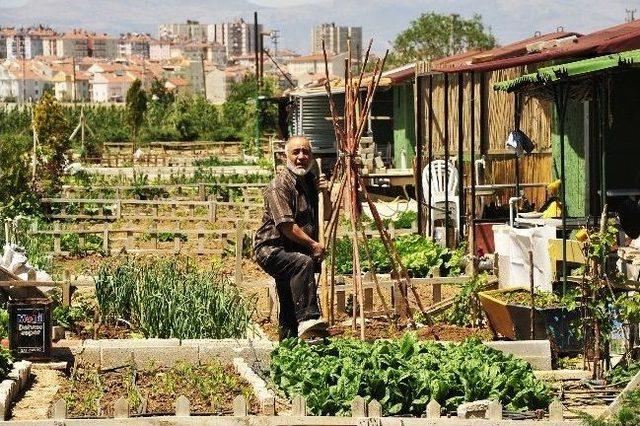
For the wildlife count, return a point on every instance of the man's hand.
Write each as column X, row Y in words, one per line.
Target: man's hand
column 317, row 250
column 322, row 184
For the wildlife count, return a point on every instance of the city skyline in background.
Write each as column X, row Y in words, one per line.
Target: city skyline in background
column 294, row 19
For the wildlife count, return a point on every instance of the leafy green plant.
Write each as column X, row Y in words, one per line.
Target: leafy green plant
column 466, row 310
column 171, row 298
column 418, row 254
column 4, row 324
column 67, row 316
column 403, row 375
column 623, row 373
column 628, row 415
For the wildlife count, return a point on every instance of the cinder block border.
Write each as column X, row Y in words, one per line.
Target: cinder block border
column 16, row 381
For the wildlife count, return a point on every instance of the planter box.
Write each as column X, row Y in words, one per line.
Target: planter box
column 514, row 321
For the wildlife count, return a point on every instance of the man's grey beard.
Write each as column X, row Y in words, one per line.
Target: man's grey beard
column 299, row 171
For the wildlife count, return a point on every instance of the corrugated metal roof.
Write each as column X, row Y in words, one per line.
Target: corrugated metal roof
column 546, row 75
column 483, row 60
column 609, row 40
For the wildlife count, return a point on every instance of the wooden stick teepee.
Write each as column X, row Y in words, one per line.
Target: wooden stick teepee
column 352, row 192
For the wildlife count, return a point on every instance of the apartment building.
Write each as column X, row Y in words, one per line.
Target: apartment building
column 74, row 43
column 335, row 39
column 134, row 44
column 237, row 37
column 189, row 31
column 101, row 46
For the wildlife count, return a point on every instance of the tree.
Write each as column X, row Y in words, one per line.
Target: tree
column 160, row 93
column 52, row 130
column 434, row 35
column 136, row 106
column 15, row 196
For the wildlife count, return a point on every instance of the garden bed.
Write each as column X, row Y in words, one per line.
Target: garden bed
column 210, row 389
column 380, row 328
column 403, row 375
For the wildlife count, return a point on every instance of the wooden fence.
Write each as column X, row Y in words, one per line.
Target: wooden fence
column 157, row 210
column 249, row 192
column 151, row 240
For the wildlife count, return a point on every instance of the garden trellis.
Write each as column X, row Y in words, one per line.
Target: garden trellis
column 352, row 189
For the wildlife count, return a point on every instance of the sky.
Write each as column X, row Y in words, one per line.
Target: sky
column 509, row 20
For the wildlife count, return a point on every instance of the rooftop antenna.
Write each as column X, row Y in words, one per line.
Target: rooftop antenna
column 630, row 15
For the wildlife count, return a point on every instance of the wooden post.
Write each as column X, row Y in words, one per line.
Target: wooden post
column 105, row 240
column 240, row 408
column 322, row 279
column 182, row 406
column 433, row 409
column 239, row 249
column 212, row 210
column 340, row 295
column 60, row 410
column 66, row 289
column 154, row 230
column 129, row 241
column 202, row 194
column 299, row 406
column 200, row 249
column 56, row 239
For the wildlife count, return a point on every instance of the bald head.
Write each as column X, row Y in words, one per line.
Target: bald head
column 298, row 140
column 299, row 155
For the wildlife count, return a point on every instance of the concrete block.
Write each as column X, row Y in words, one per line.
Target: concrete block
column 535, row 352
column 225, row 351
column 558, row 375
column 473, row 410
column 87, row 355
column 164, row 356
column 114, row 357
column 137, row 343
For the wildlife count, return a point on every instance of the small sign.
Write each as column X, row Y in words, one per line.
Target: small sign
column 30, row 328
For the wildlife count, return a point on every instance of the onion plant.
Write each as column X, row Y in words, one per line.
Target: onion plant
column 171, row 298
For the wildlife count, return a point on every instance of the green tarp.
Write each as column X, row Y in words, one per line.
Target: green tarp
column 554, row 73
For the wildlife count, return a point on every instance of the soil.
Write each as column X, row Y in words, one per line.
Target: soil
column 34, row 404
column 382, row 329
column 209, row 388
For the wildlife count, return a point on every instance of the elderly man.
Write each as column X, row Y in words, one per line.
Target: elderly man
column 286, row 245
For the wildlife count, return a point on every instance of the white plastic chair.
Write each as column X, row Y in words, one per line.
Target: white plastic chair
column 438, row 197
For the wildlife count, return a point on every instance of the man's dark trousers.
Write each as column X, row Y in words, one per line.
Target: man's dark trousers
column 296, row 286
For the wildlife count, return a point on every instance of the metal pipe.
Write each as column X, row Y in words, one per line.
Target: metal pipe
column 472, row 161
column 419, row 113
column 446, row 158
column 430, row 153
column 512, row 201
column 461, row 208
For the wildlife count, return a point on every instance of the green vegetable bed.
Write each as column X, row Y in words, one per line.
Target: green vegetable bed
column 418, row 254
column 403, row 375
